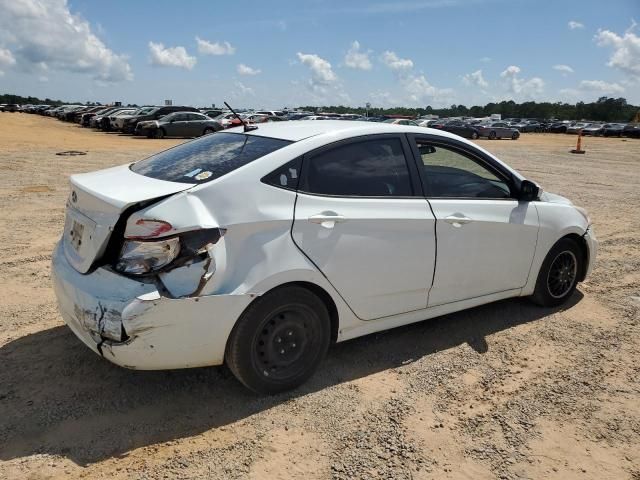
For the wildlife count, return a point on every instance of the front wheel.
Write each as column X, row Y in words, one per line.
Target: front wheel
column 492, row 135
column 558, row 276
column 515, row 136
column 159, row 133
column 207, row 131
column 279, row 341
column 474, row 135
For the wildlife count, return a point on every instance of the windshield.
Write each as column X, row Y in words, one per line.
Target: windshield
column 207, row 158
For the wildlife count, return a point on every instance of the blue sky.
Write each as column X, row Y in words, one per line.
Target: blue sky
column 271, row 54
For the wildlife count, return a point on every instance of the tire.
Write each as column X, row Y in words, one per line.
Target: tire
column 279, row 340
column 558, row 276
column 159, row 133
column 207, row 131
column 474, row 136
column 515, row 136
column 492, row 135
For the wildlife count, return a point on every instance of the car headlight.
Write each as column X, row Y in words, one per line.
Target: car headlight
column 139, row 258
column 585, row 214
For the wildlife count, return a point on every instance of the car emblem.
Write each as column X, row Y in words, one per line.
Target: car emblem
column 74, row 196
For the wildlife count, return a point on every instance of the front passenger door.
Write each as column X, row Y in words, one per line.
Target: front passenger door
column 486, row 238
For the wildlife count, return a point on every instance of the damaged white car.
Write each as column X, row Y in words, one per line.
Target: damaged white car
column 258, row 248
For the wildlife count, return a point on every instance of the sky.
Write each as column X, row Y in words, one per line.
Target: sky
column 285, row 53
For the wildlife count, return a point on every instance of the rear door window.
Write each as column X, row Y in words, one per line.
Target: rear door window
column 207, row 158
column 368, row 168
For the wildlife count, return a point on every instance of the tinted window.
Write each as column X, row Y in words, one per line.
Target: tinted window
column 207, row 158
column 372, row 168
column 450, row 173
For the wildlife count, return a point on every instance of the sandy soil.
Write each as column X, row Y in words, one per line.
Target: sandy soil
column 508, row 390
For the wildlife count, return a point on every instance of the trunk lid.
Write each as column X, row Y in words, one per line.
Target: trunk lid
column 96, row 201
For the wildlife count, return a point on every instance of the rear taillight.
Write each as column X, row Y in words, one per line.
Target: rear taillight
column 139, row 258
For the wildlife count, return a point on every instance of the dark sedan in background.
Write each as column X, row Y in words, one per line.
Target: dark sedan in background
column 178, row 124
column 461, row 128
column 497, row 130
column 158, row 112
column 613, row 129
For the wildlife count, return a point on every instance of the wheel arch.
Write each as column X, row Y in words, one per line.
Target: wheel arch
column 584, row 248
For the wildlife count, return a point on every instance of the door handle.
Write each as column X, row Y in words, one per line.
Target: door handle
column 327, row 219
column 457, row 221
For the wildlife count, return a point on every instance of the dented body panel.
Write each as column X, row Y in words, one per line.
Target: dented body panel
column 182, row 315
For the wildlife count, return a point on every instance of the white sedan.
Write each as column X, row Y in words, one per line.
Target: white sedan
column 257, row 248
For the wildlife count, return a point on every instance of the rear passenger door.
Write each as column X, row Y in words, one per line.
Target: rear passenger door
column 361, row 218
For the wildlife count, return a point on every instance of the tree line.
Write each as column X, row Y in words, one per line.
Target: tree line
column 604, row 109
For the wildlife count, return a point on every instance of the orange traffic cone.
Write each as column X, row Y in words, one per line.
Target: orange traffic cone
column 579, row 144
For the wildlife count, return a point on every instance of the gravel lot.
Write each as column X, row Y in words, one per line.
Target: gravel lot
column 507, row 390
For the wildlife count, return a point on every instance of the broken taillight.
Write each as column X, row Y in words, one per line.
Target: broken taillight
column 145, row 229
column 139, row 258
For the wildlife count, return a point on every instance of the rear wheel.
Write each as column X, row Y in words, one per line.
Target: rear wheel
column 159, row 133
column 474, row 135
column 279, row 341
column 515, row 136
column 207, row 131
column 558, row 276
column 492, row 135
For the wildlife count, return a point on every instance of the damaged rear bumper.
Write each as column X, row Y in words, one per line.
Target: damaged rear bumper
column 131, row 324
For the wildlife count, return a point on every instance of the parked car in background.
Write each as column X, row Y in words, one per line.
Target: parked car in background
column 96, row 120
column 613, row 129
column 527, row 126
column 11, row 107
column 272, row 113
column 227, row 249
column 576, row 128
column 178, row 124
column 594, row 129
column 461, row 128
column 559, row 127
column 213, row 112
column 497, row 130
column 298, row 115
column 631, row 130
column 401, row 121
column 112, row 117
column 154, row 114
column 118, row 123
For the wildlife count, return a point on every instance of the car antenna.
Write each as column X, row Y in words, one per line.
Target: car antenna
column 247, row 127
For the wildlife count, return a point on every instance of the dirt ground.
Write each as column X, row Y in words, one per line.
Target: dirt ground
column 507, row 390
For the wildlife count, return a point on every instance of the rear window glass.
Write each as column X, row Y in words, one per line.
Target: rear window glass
column 207, row 158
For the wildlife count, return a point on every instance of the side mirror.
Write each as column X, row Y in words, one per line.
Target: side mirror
column 529, row 191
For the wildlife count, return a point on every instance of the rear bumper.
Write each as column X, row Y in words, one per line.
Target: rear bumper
column 132, row 325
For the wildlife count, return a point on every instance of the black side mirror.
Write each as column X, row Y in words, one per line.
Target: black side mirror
column 529, row 191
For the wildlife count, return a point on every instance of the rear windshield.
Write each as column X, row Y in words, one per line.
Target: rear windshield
column 207, row 158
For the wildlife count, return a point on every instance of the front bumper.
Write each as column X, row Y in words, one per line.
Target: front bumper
column 131, row 324
column 592, row 244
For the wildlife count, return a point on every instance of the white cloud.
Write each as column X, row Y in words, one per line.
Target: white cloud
column 243, row 90
column 170, row 56
column 564, row 69
column 321, row 72
column 421, row 92
column 357, row 59
column 485, row 59
column 243, row 69
column 520, row 87
column 626, row 51
column 6, row 59
column 218, row 48
column 391, row 60
column 475, row 79
column 47, row 34
column 600, row 86
column 574, row 25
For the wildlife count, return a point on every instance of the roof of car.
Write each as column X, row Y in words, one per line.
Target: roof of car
column 296, row 130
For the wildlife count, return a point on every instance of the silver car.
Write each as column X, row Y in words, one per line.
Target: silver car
column 497, row 130
column 179, row 124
